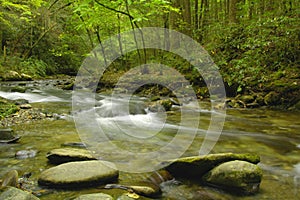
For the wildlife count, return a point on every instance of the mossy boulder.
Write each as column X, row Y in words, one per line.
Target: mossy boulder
column 195, row 167
column 11, row 193
column 18, row 89
column 79, row 174
column 236, row 176
column 98, row 196
column 15, row 76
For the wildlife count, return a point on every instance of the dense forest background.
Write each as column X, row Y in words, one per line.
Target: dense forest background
column 255, row 43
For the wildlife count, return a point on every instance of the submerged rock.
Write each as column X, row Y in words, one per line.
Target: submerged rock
column 7, row 136
column 59, row 156
column 195, row 167
column 128, row 196
column 237, row 176
column 74, row 144
column 98, row 196
column 79, row 174
column 11, row 193
column 145, row 189
column 23, row 154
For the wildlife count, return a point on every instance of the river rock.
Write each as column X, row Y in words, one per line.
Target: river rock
column 98, row 196
column 10, row 179
column 128, row 196
column 196, row 166
column 26, row 77
column 23, row 154
column 21, row 101
column 74, row 144
column 18, row 89
column 7, row 136
column 12, row 193
column 79, row 174
column 146, row 189
column 63, row 155
column 162, row 105
column 12, row 76
column 25, row 106
column 236, row 176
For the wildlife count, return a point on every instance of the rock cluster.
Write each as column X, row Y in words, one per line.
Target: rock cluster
column 237, row 173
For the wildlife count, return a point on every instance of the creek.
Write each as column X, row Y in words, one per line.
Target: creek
column 272, row 134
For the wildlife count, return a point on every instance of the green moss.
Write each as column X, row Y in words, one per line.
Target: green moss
column 7, row 108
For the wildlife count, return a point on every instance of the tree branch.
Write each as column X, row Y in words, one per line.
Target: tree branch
column 115, row 10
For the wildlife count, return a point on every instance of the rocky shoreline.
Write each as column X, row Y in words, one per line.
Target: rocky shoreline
column 20, row 112
column 233, row 173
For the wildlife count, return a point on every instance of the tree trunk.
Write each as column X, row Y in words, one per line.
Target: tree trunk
column 233, row 11
column 196, row 20
column 174, row 24
column 187, row 17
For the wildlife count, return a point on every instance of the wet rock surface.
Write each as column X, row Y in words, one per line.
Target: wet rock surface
column 8, row 136
column 144, row 189
column 26, row 115
column 11, row 193
column 96, row 196
column 63, row 155
column 79, row 174
column 195, row 167
column 235, row 176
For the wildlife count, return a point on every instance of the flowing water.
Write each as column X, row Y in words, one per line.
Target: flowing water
column 272, row 134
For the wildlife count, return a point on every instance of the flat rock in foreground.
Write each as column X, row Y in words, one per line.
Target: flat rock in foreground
column 11, row 193
column 195, row 167
column 79, row 174
column 63, row 155
column 96, row 196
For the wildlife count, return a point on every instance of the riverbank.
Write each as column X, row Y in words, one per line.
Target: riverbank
column 281, row 92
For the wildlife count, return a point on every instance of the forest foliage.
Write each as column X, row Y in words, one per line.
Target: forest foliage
column 255, row 43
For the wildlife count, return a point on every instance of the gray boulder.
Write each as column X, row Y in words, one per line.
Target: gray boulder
column 11, row 193
column 98, row 196
column 79, row 174
column 196, row 166
column 63, row 155
column 237, row 176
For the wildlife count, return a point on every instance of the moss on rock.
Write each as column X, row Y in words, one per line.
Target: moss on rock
column 195, row 167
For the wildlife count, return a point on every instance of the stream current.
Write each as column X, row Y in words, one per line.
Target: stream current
column 272, row 134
